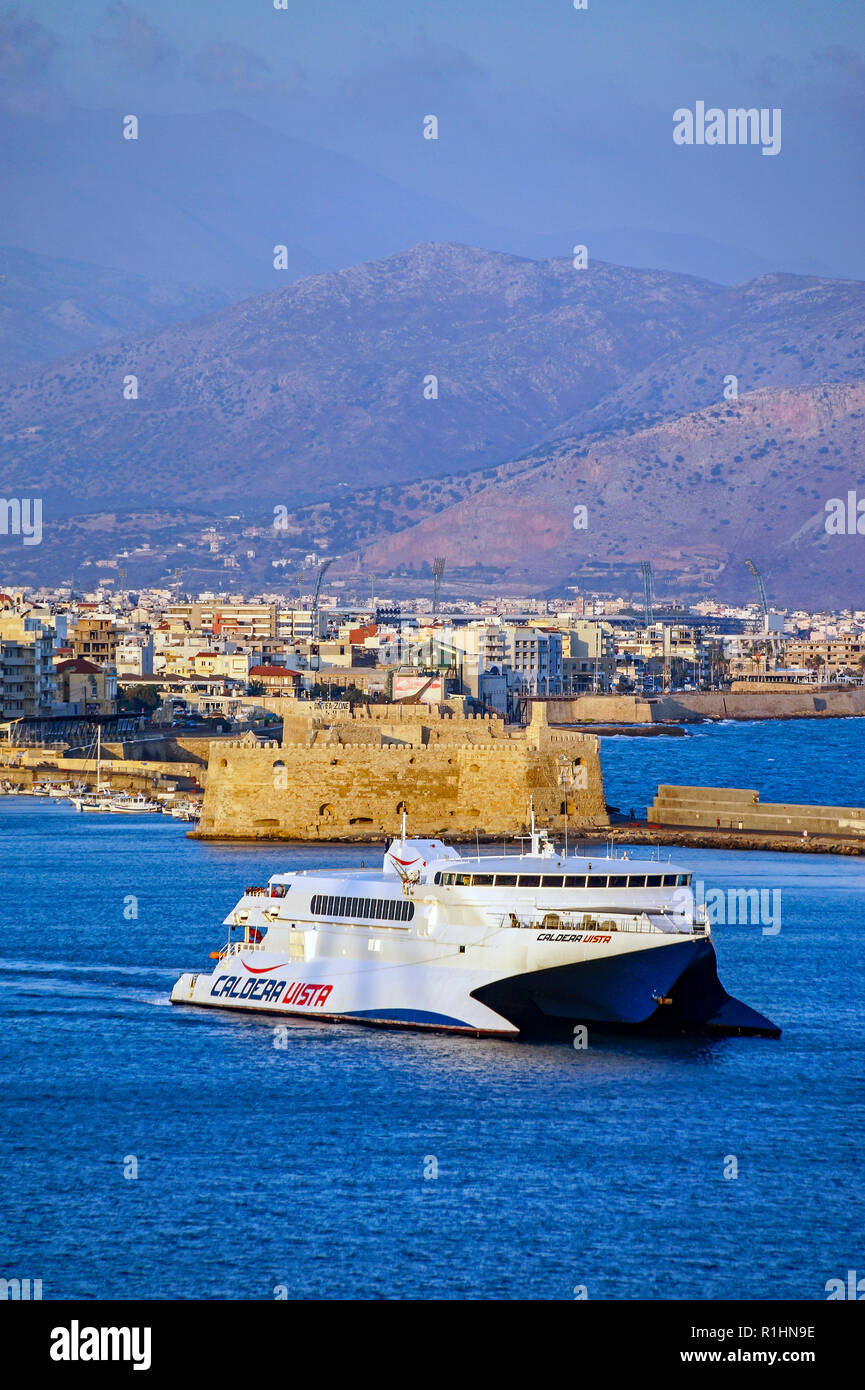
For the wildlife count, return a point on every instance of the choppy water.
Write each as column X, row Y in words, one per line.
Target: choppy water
column 303, row 1167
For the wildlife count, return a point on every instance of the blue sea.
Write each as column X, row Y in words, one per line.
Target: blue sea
column 156, row 1152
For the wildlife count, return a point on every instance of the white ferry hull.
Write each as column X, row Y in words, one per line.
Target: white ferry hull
column 668, row 987
column 504, row 946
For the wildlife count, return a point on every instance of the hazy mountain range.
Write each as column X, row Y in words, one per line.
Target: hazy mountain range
column 204, row 199
column 52, row 308
column 555, row 387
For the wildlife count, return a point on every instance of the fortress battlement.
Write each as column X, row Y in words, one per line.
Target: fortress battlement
column 324, row 782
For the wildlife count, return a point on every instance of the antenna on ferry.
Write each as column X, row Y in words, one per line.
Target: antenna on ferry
column 536, row 847
column 403, row 826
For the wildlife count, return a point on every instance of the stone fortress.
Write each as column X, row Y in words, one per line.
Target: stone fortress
column 348, row 775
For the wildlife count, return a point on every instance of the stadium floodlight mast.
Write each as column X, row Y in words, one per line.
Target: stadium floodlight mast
column 438, row 570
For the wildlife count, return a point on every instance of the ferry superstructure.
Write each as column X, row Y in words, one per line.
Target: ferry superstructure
column 512, row 945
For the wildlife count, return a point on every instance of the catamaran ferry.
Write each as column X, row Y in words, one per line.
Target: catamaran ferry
column 519, row 945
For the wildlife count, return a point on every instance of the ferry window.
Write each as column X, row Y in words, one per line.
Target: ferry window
column 438, row 878
column 464, row 880
column 638, row 881
column 482, row 880
column 597, row 880
column 617, row 881
column 670, row 880
column 386, row 909
column 506, row 880
column 653, row 880
column 683, row 879
column 552, row 880
column 575, row 880
column 530, row 880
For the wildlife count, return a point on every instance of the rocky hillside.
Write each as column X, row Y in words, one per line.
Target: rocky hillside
column 697, row 493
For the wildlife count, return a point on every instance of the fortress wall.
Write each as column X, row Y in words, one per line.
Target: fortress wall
column 356, row 791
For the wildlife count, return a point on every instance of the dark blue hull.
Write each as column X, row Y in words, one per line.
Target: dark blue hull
column 671, row 990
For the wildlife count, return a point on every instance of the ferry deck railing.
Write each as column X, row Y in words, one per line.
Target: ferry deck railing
column 592, row 922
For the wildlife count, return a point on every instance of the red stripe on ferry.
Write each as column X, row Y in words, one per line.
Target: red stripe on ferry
column 262, row 969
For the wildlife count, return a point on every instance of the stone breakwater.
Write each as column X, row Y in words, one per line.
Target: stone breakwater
column 809, row 702
column 766, row 842
column 344, row 776
column 740, row 808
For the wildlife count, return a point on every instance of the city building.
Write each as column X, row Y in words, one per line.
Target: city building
column 94, row 638
column 86, row 688
column 27, row 676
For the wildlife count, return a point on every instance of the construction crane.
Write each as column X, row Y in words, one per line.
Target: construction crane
column 322, row 572
column 761, row 593
column 648, row 592
column 438, row 570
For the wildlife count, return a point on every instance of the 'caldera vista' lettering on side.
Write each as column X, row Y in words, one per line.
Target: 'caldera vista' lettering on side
column 297, row 993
